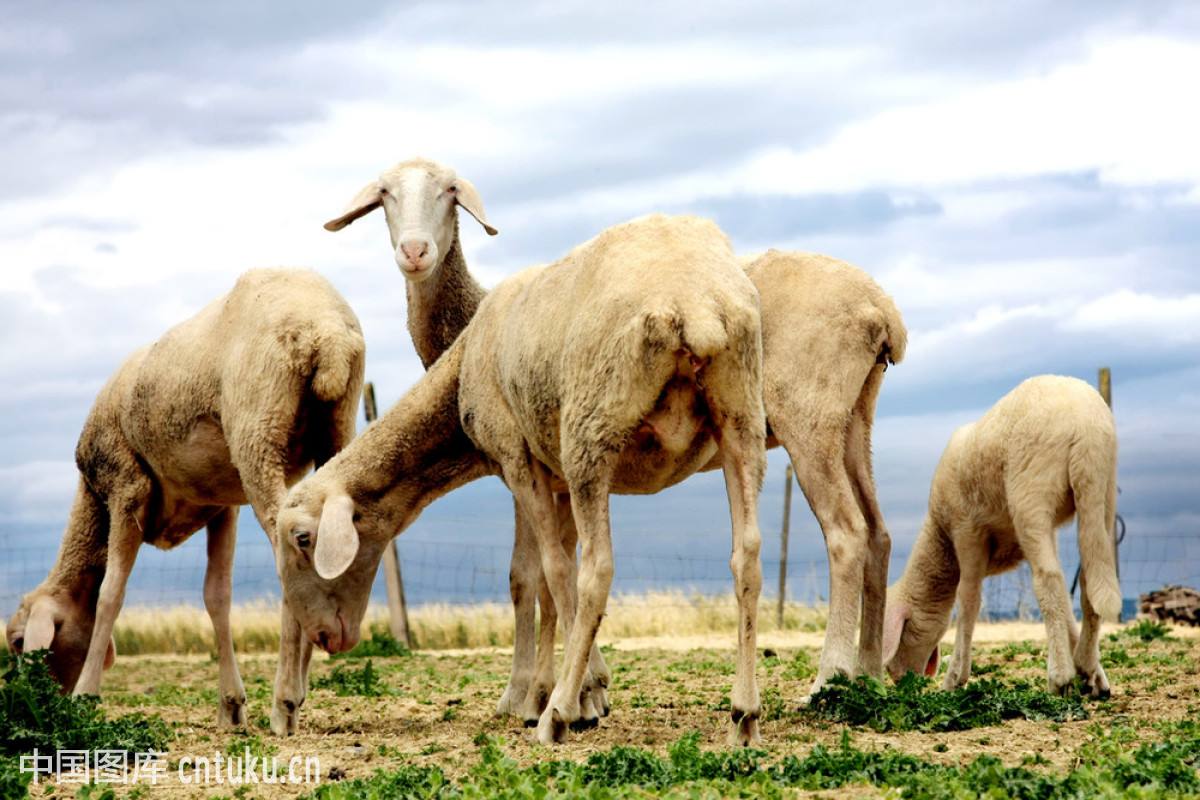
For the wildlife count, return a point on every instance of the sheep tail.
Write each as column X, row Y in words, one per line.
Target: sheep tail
column 895, row 335
column 1093, row 478
column 339, row 359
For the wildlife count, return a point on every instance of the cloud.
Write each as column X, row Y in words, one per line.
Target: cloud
column 1027, row 189
column 1140, row 316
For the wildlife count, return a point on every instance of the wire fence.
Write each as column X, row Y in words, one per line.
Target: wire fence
column 454, row 561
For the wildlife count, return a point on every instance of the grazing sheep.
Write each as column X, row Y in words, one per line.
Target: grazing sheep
column 231, row 406
column 1046, row 452
column 624, row 368
column 828, row 334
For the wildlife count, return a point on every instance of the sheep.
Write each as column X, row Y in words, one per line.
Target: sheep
column 1045, row 452
column 821, row 318
column 623, row 367
column 229, row 407
column 420, row 199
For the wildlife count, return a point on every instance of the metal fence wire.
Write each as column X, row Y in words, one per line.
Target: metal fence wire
column 445, row 563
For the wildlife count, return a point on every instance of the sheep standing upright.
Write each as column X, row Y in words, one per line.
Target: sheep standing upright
column 623, row 368
column 1045, row 452
column 230, row 407
column 829, row 333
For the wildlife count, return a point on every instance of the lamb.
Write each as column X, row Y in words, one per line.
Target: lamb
column 229, row 407
column 829, row 333
column 1045, row 452
column 624, row 367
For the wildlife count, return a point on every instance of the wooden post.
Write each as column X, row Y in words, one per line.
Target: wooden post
column 397, row 607
column 783, row 543
column 1104, row 385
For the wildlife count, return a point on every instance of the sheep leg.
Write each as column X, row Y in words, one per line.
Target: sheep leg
column 124, row 539
column 970, row 587
column 1035, row 534
column 530, row 484
column 218, row 596
column 543, row 675
column 524, row 577
column 817, row 456
column 879, row 542
column 594, row 698
column 589, row 502
column 743, row 476
column 1087, row 649
column 291, row 674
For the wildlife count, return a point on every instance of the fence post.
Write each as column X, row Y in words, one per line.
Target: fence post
column 1104, row 385
column 783, row 543
column 397, row 607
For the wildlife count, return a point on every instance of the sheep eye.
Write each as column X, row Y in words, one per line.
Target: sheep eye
column 451, row 189
column 303, row 539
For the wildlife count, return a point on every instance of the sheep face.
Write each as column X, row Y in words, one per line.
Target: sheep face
column 43, row 621
column 325, row 571
column 911, row 636
column 420, row 200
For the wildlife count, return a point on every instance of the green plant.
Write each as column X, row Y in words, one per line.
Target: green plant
column 242, row 743
column 1010, row 651
column 1148, row 630
column 1117, row 657
column 801, row 667
column 380, row 644
column 346, row 681
column 1109, row 769
column 908, row 706
column 34, row 713
column 14, row 784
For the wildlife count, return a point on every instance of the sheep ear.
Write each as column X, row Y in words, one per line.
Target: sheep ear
column 369, row 198
column 337, row 538
column 893, row 626
column 39, row 628
column 110, row 655
column 469, row 200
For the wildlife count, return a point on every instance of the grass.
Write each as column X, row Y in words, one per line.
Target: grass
column 1107, row 768
column 1147, row 630
column 417, row 738
column 36, row 715
column 186, row 630
column 910, row 706
column 380, row 644
column 347, row 681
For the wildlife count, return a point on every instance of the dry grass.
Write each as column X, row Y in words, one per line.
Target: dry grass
column 186, row 630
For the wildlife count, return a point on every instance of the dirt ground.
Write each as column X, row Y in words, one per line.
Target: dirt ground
column 438, row 702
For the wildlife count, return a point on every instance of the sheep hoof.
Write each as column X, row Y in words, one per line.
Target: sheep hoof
column 603, row 707
column 231, row 712
column 745, row 729
column 511, row 701
column 285, row 717
column 585, row 724
column 552, row 728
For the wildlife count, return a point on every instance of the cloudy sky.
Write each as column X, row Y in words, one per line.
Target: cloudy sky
column 1025, row 182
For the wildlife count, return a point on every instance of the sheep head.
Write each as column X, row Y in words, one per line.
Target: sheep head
column 419, row 199
column 325, row 568
column 912, row 634
column 47, row 619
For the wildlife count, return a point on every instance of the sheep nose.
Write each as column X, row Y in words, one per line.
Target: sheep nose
column 414, row 250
